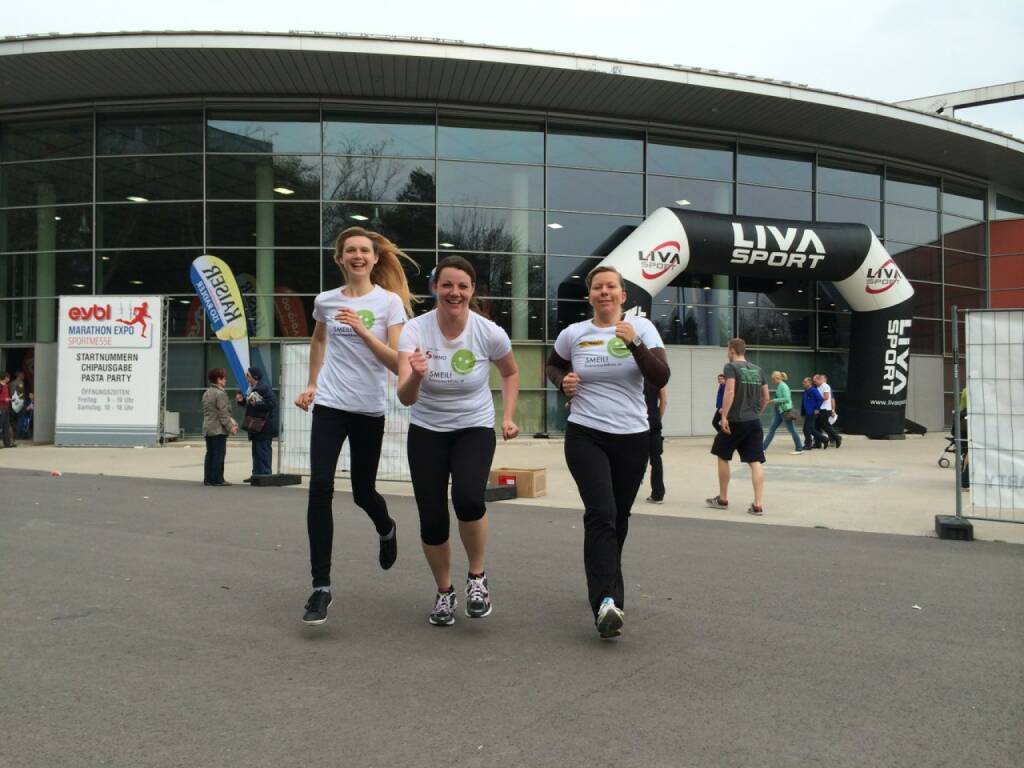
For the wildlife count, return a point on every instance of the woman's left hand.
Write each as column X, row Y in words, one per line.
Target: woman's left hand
column 352, row 319
column 509, row 430
column 239, row 398
column 625, row 331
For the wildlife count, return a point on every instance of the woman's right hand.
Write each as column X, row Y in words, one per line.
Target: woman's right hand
column 305, row 398
column 569, row 384
column 418, row 363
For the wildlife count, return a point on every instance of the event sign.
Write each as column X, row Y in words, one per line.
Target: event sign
column 108, row 370
column 217, row 289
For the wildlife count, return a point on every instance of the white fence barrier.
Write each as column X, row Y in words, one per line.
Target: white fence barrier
column 296, row 423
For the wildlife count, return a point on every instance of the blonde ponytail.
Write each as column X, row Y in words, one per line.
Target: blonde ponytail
column 388, row 272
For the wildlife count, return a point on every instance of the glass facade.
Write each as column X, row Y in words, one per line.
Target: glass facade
column 122, row 201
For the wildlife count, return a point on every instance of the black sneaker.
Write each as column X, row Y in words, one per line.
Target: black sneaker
column 389, row 549
column 445, row 604
column 316, row 608
column 478, row 598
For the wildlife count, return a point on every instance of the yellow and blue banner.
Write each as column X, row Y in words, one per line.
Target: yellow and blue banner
column 217, row 289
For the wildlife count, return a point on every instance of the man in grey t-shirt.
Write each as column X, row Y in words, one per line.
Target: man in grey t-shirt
column 746, row 396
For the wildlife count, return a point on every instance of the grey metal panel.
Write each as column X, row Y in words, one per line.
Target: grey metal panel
column 678, row 419
column 926, row 399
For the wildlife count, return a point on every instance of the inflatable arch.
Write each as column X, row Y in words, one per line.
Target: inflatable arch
column 673, row 241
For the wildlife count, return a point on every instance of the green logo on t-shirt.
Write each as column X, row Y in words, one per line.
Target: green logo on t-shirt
column 749, row 375
column 367, row 317
column 617, row 347
column 463, row 361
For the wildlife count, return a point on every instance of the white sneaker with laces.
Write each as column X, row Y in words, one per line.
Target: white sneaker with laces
column 609, row 619
column 478, row 597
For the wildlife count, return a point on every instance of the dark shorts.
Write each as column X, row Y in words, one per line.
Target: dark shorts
column 747, row 437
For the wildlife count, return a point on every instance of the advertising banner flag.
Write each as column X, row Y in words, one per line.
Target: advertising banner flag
column 218, row 291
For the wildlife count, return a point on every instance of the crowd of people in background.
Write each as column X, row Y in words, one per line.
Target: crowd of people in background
column 17, row 408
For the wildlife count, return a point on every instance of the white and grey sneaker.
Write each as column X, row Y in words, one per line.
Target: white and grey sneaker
column 443, row 614
column 478, row 598
column 609, row 619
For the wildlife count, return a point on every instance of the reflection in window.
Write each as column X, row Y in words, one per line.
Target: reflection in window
column 48, row 228
column 259, row 133
column 767, row 292
column 834, row 330
column 583, row 234
column 842, row 178
column 693, row 194
column 379, row 134
column 963, row 201
column 594, row 149
column 149, row 225
column 144, row 134
column 565, row 277
column 254, row 177
column 377, row 179
column 927, row 299
column 562, row 314
column 919, row 191
column 703, row 161
column 46, row 274
column 911, row 225
column 693, row 324
column 777, row 169
column 490, row 140
column 848, row 209
column 263, row 224
column 170, row 177
column 597, row 191
column 507, row 275
column 44, row 139
column 917, row 262
column 926, row 337
column 773, row 203
column 133, row 272
column 698, row 289
column 512, row 186
column 963, row 234
column 408, row 226
column 964, row 268
column 66, row 181
column 829, row 298
column 775, row 327
column 1009, row 208
column 963, row 298
column 489, row 229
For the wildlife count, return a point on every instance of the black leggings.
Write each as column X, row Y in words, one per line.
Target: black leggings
column 366, row 435
column 608, row 470
column 463, row 454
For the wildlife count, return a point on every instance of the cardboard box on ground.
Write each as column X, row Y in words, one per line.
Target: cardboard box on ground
column 529, row 483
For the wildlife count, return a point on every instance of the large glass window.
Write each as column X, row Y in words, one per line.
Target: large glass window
column 963, row 201
column 842, row 178
column 490, row 229
column 597, row 191
column 262, row 133
column 487, row 184
column 156, row 177
column 48, row 228
column 255, row 177
column 149, row 225
column 584, row 148
column 776, row 169
column 263, row 224
column 379, row 134
column 44, row 183
column 584, row 234
column 917, row 262
column 26, row 275
column 693, row 194
column 699, row 160
column 927, row 299
column 772, row 203
column 45, row 139
column 963, row 234
column 497, row 141
column 789, row 294
column 375, row 179
column 913, row 190
column 165, row 271
column 911, row 225
column 850, row 209
column 775, row 327
column 964, row 268
column 502, row 275
column 144, row 134
column 409, row 226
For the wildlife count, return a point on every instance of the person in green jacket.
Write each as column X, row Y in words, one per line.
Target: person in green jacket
column 783, row 402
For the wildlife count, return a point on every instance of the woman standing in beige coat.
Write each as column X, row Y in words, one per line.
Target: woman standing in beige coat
column 217, row 425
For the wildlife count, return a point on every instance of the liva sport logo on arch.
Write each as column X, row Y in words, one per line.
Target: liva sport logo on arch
column 659, row 260
column 882, row 279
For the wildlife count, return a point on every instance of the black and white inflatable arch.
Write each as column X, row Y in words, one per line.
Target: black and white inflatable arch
column 673, row 241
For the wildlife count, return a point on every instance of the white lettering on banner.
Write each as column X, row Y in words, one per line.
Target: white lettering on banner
column 897, row 360
column 756, row 251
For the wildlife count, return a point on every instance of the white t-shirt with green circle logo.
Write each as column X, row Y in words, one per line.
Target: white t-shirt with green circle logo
column 352, row 378
column 610, row 393
column 455, row 393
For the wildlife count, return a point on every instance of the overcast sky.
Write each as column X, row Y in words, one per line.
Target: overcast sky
column 882, row 49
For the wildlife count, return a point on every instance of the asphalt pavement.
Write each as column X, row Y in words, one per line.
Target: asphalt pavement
column 154, row 622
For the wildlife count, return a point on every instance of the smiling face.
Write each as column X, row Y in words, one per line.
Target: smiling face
column 606, row 294
column 357, row 256
column 454, row 289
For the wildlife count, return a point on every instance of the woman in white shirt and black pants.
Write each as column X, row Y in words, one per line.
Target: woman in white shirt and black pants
column 444, row 359
column 353, row 347
column 601, row 364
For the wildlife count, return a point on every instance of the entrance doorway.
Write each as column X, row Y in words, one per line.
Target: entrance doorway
column 19, row 362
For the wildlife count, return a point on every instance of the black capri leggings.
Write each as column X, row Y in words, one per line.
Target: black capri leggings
column 463, row 454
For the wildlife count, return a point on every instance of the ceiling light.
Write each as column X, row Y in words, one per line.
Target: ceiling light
column 508, row 282
column 780, row 282
column 682, row 202
column 359, row 217
column 554, row 225
column 750, row 302
column 56, row 218
column 799, row 290
column 284, row 191
column 707, row 287
column 135, row 282
column 576, row 276
column 445, row 245
column 78, row 285
column 786, row 314
column 137, row 199
column 105, row 258
column 184, row 301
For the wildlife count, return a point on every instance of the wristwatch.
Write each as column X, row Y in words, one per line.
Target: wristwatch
column 636, row 343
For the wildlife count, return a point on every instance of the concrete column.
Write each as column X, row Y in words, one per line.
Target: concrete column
column 46, row 263
column 520, row 276
column 265, row 250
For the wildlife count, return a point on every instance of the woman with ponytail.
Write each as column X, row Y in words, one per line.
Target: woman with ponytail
column 353, row 347
column 783, row 402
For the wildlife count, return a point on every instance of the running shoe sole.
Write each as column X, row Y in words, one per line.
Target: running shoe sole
column 611, row 624
column 479, row 615
column 440, row 623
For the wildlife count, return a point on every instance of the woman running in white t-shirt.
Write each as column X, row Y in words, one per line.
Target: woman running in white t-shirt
column 601, row 364
column 353, row 347
column 444, row 361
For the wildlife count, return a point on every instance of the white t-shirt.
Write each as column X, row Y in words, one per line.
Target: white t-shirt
column 610, row 393
column 825, row 389
column 455, row 393
column 352, row 378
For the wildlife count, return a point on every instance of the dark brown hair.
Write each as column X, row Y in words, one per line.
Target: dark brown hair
column 216, row 373
column 603, row 268
column 458, row 262
column 738, row 345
